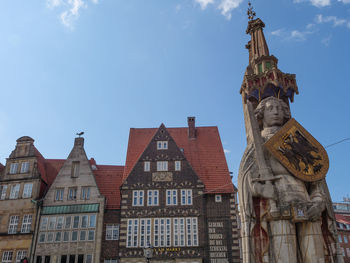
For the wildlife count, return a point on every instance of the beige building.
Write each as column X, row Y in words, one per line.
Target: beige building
column 22, row 183
column 70, row 228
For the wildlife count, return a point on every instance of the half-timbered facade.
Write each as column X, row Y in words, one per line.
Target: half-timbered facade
column 177, row 196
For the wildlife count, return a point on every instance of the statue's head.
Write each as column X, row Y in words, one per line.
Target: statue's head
column 271, row 112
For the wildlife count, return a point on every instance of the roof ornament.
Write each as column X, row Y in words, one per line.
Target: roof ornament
column 251, row 13
column 80, row 133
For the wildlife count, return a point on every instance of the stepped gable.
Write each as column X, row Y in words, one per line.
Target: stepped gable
column 109, row 180
column 204, row 153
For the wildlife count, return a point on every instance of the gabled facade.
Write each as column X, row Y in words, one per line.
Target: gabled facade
column 70, row 229
column 177, row 196
column 22, row 183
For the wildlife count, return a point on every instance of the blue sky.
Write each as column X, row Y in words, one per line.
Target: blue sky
column 104, row 66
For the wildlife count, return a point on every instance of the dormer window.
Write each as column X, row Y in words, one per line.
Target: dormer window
column 24, row 167
column 260, row 68
column 162, row 145
column 13, row 168
column 267, row 65
column 75, row 169
column 147, row 166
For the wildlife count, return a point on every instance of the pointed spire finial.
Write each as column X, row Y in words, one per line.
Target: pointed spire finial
column 251, row 13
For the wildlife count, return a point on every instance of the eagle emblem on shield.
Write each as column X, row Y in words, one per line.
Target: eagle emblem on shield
column 299, row 152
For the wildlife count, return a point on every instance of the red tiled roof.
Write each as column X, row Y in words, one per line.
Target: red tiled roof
column 41, row 164
column 205, row 154
column 109, row 179
column 53, row 166
column 343, row 219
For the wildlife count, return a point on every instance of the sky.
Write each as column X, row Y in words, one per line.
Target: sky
column 105, row 66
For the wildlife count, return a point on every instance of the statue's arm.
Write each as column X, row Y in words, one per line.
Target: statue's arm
column 318, row 198
column 259, row 188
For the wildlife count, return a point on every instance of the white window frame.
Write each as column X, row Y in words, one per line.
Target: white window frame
column 162, row 166
column 3, row 191
column 72, row 193
column 218, row 198
column 52, row 223
column 146, row 166
column 112, row 232
column 85, row 193
column 14, row 191
column 186, row 197
column 27, row 190
column 40, row 235
column 59, row 223
column 156, row 231
column 43, row 223
column 20, row 255
column 59, row 192
column 13, row 168
column 13, row 224
column 177, row 165
column 152, row 197
column 88, row 258
column 168, row 242
column 162, row 145
column 132, row 233
column 138, row 197
column 24, row 167
column 171, row 197
column 26, row 223
column 7, row 257
column 50, row 237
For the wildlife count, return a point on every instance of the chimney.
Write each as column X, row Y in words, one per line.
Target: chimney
column 79, row 141
column 191, row 127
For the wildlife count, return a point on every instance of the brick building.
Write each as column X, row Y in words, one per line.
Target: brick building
column 177, row 196
column 175, row 193
column 342, row 215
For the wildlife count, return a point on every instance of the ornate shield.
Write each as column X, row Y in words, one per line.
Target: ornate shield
column 299, row 152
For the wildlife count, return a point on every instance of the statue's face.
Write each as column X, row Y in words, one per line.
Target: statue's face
column 273, row 114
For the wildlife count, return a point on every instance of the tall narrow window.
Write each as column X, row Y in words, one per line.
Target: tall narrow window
column 14, row 191
column 24, row 167
column 13, row 168
column 59, row 224
column 7, row 257
column 147, row 166
column 88, row 259
column 156, row 232
column 92, row 221
column 26, row 223
column 152, row 197
column 3, row 190
column 132, row 233
column 182, row 231
column 13, row 224
column 84, row 221
column 162, row 166
column 142, row 232
column 20, row 255
column 59, row 194
column 72, row 193
column 75, row 169
column 68, row 222
column 137, row 198
column 148, row 232
column 52, row 223
column 171, row 197
column 168, row 232
column 27, row 190
column 43, row 223
column 162, row 232
column 75, row 221
column 186, row 196
column 177, row 165
column 85, row 193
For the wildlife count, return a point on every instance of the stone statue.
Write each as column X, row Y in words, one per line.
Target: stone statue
column 272, row 229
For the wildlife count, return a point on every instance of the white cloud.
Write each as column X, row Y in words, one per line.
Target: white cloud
column 326, row 41
column 330, row 19
column 344, row 1
column 204, row 3
column 277, row 32
column 226, row 6
column 320, row 3
column 69, row 9
column 178, row 8
column 226, row 151
column 298, row 35
column 53, row 3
